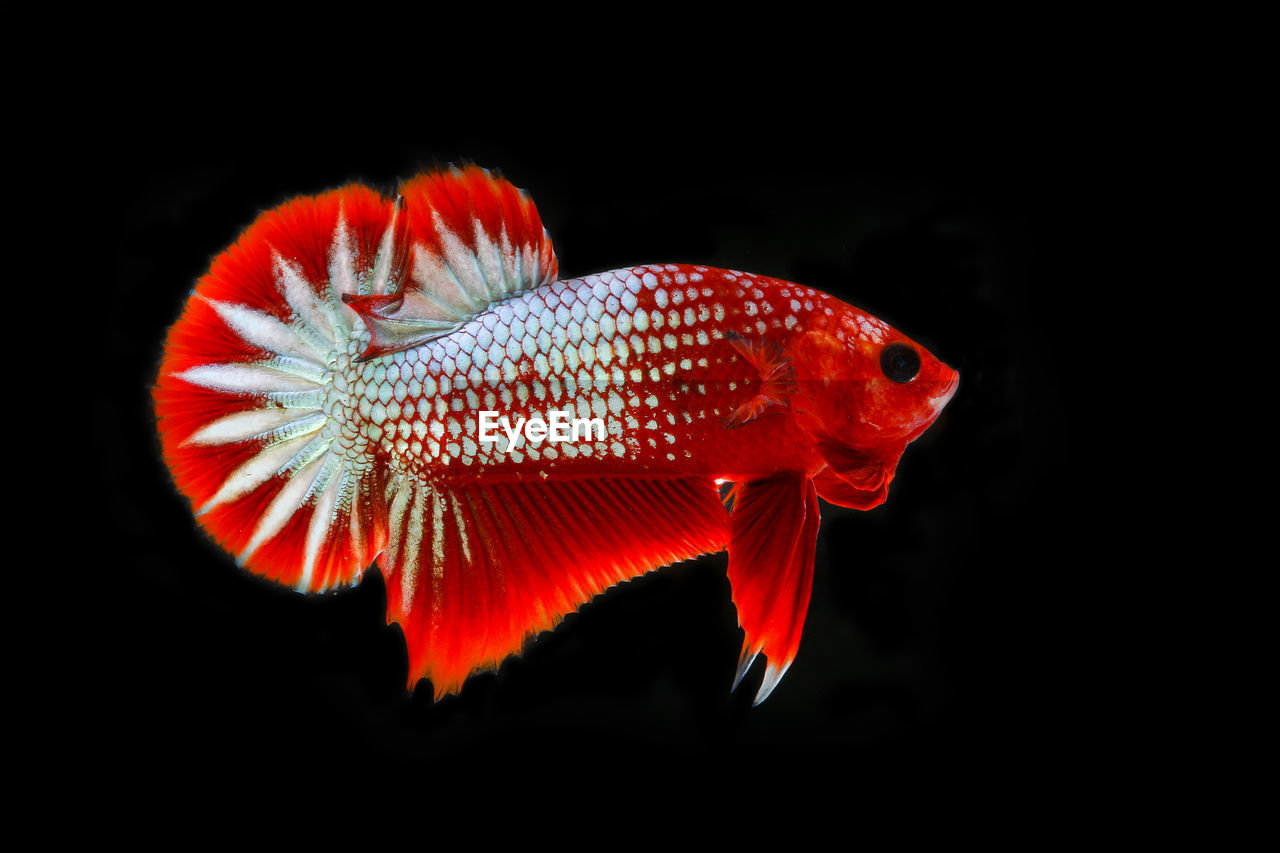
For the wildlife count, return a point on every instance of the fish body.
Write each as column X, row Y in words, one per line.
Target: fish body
column 409, row 380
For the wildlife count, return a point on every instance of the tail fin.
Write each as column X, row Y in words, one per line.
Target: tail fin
column 253, row 408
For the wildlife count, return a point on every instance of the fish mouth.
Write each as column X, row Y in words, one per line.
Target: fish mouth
column 939, row 399
column 936, row 402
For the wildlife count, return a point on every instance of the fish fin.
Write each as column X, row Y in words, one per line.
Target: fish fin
column 468, row 239
column 832, row 489
column 473, row 571
column 855, row 477
column 247, row 386
column 777, row 378
column 774, row 535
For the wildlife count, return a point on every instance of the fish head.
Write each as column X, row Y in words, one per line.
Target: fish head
column 864, row 391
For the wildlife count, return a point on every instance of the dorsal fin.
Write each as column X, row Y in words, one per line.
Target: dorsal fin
column 470, row 239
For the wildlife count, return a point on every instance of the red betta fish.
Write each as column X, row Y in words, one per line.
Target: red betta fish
column 409, row 380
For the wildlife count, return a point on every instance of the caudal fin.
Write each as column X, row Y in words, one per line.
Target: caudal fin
column 254, row 413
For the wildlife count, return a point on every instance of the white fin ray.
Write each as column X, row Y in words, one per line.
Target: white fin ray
column 411, row 534
column 513, row 273
column 488, row 260
column 383, row 260
column 330, row 464
column 287, row 502
column 428, row 266
column 243, row 426
column 256, row 471
column 311, row 400
column 306, row 425
column 319, row 321
column 267, row 333
column 249, row 378
column 324, row 494
column 314, row 338
column 314, row 449
column 296, row 367
column 463, row 264
column 349, row 493
column 396, row 508
column 342, row 266
column 458, row 263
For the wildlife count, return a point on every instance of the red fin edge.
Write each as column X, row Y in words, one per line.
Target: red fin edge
column 240, row 397
column 771, row 552
column 474, row 571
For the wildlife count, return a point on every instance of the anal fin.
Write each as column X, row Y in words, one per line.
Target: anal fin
column 774, row 534
column 475, row 570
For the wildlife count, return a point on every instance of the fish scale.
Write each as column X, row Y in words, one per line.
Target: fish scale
column 655, row 388
column 320, row 400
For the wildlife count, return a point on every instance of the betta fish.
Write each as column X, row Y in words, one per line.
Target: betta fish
column 409, row 380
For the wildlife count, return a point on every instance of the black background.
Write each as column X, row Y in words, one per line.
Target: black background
column 934, row 643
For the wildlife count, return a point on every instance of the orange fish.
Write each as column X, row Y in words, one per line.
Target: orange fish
column 408, row 380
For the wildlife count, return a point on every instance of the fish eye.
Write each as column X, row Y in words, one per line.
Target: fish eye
column 900, row 362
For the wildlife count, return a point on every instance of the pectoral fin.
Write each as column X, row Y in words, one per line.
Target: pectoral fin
column 774, row 533
column 854, row 477
column 840, row 492
column 400, row 321
column 776, row 382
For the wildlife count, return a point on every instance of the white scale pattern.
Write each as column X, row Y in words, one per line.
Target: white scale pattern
column 584, row 345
